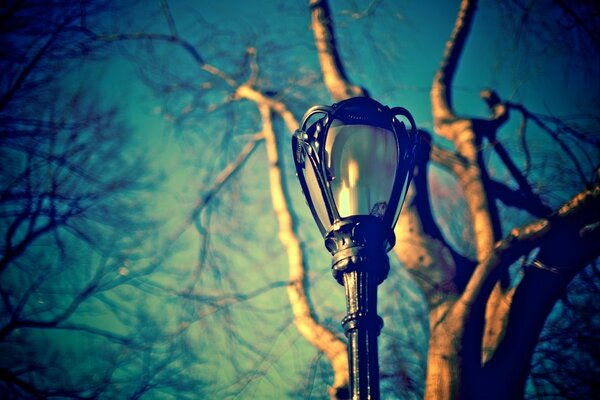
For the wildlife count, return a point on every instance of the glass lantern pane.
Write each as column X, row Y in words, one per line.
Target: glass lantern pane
column 402, row 197
column 315, row 194
column 362, row 161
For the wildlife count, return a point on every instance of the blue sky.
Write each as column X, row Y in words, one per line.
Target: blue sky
column 250, row 348
column 393, row 53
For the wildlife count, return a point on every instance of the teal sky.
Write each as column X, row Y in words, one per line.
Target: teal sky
column 393, row 53
column 248, row 347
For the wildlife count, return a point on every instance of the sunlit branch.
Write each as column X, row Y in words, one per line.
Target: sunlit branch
column 467, row 136
column 452, row 162
column 421, row 245
column 334, row 74
column 319, row 336
column 247, row 92
column 441, row 90
column 459, row 330
column 482, row 209
column 577, row 212
column 471, row 306
column 499, row 112
column 544, row 282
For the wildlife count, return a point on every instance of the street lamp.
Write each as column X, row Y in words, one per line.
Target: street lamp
column 354, row 163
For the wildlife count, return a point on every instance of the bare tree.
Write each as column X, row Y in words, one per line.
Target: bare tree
column 483, row 327
column 74, row 227
column 481, row 293
column 485, row 317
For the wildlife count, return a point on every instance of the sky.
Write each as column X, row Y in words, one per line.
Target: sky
column 394, row 54
column 250, row 348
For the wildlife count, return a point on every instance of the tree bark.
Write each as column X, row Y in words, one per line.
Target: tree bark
column 304, row 317
column 334, row 74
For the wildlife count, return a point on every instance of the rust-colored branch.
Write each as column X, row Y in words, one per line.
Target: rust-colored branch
column 451, row 162
column 334, row 75
column 441, row 90
column 467, row 329
column 420, row 244
column 473, row 183
column 304, row 318
column 574, row 215
column 468, row 135
column 568, row 241
column 456, row 352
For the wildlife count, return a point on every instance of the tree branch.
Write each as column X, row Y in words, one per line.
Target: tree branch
column 568, row 242
column 441, row 90
column 8, row 376
column 230, row 170
column 440, row 270
column 574, row 217
column 519, row 199
column 554, row 133
column 304, row 318
column 334, row 75
column 31, row 65
column 164, row 4
column 170, row 38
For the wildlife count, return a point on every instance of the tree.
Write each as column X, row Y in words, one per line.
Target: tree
column 73, row 225
column 483, row 333
column 489, row 240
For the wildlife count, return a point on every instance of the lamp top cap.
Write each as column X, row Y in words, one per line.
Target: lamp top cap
column 359, row 111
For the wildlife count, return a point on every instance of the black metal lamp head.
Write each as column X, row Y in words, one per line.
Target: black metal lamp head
column 355, row 162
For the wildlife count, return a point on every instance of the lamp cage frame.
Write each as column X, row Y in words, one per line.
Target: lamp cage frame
column 308, row 145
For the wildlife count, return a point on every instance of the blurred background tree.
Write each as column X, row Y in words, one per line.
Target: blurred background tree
column 155, row 243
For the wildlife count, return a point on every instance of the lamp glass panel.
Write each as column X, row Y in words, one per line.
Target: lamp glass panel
column 316, row 196
column 402, row 196
column 361, row 160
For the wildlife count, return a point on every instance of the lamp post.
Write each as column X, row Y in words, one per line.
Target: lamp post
column 354, row 163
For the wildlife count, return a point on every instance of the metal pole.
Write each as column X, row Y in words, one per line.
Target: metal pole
column 360, row 264
column 362, row 326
